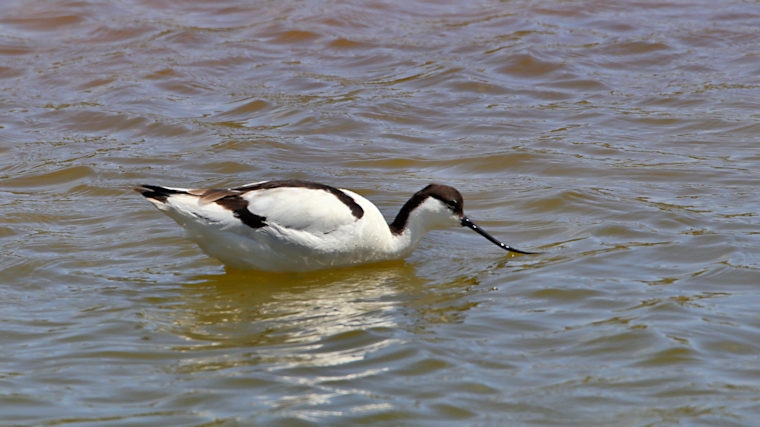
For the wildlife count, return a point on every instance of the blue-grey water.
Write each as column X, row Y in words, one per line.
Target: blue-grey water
column 620, row 138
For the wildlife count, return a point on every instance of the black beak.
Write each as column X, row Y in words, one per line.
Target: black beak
column 466, row 222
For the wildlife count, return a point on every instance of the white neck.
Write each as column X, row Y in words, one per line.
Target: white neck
column 430, row 215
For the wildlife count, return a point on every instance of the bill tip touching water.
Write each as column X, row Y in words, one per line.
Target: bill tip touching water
column 294, row 225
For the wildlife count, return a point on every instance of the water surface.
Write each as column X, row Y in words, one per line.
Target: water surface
column 617, row 137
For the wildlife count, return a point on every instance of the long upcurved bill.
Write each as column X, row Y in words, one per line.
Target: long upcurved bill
column 466, row 222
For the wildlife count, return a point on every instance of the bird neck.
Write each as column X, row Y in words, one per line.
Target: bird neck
column 407, row 231
column 399, row 224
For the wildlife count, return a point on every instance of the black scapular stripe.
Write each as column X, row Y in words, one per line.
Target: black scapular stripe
column 239, row 207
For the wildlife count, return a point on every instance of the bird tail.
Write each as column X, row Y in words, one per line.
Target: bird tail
column 157, row 193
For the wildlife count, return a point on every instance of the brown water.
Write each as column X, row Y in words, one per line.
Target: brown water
column 618, row 137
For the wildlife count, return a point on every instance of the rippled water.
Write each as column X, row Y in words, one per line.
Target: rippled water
column 618, row 137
